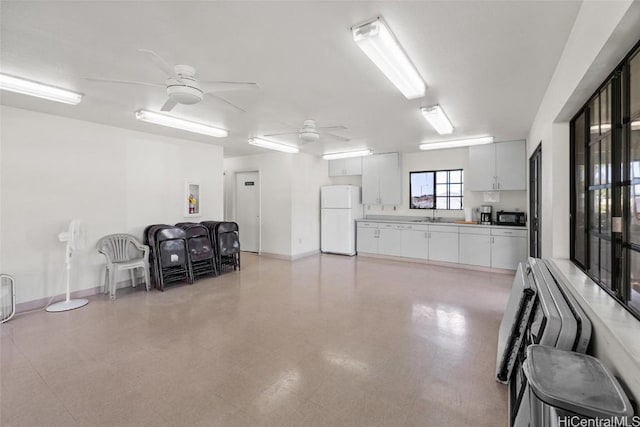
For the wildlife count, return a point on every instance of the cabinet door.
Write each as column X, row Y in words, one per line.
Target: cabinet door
column 511, row 165
column 415, row 244
column 390, row 241
column 370, row 180
column 507, row 252
column 353, row 166
column 337, row 167
column 443, row 246
column 390, row 178
column 475, row 249
column 367, row 240
column 481, row 170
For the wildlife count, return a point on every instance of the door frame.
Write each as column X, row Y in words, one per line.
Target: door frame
column 235, row 201
column 535, row 227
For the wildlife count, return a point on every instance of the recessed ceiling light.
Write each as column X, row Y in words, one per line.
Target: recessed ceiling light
column 378, row 42
column 346, row 154
column 258, row 142
column 174, row 122
column 39, row 90
column 438, row 119
column 456, row 143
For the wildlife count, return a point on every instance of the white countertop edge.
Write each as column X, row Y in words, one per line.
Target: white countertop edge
column 413, row 222
column 621, row 324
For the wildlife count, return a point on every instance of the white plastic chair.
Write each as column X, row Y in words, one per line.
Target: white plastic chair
column 117, row 248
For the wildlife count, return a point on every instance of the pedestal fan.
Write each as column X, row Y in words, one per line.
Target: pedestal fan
column 75, row 238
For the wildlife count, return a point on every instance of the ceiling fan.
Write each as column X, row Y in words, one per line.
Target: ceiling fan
column 182, row 86
column 310, row 132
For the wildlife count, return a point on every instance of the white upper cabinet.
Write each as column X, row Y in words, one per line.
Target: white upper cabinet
column 344, row 167
column 382, row 179
column 499, row 166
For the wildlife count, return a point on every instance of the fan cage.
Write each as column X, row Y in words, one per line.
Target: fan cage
column 7, row 297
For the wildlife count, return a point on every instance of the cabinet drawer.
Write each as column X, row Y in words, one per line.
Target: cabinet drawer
column 368, row 224
column 474, row 230
column 413, row 227
column 508, row 232
column 387, row 225
column 444, row 228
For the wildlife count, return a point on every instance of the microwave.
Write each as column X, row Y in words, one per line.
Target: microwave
column 510, row 218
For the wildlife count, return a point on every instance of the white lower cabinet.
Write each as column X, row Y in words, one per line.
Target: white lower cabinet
column 367, row 239
column 390, row 241
column 475, row 246
column 415, row 242
column 443, row 243
column 481, row 246
column 508, row 248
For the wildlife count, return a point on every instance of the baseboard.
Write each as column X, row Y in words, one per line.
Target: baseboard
column 436, row 263
column 290, row 257
column 41, row 303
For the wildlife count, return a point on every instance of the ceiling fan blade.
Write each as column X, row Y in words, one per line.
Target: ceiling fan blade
column 342, row 138
column 124, row 82
column 222, row 86
column 161, row 63
column 332, row 127
column 168, row 106
column 281, row 134
column 225, row 101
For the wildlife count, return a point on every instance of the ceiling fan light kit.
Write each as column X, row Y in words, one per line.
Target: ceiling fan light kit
column 437, row 119
column 347, row 154
column 457, row 143
column 378, row 42
column 39, row 90
column 259, row 142
column 174, row 122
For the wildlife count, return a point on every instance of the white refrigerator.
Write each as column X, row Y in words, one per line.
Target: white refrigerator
column 339, row 208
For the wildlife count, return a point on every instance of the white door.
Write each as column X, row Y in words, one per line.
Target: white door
column 443, row 246
column 248, row 210
column 475, row 249
column 337, row 233
column 510, row 165
column 508, row 252
column 390, row 179
column 335, row 196
column 368, row 240
column 480, row 174
column 415, row 244
column 370, row 180
column 390, row 241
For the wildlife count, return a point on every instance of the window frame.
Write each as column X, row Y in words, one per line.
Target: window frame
column 448, row 183
column 619, row 137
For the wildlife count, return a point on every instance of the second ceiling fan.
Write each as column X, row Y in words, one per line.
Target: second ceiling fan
column 182, row 86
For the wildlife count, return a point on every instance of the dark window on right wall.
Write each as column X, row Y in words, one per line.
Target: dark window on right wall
column 605, row 184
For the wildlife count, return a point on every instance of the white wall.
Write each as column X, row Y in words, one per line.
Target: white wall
column 275, row 197
column 599, row 39
column 55, row 169
column 309, row 174
column 289, row 200
column 602, row 34
column 434, row 160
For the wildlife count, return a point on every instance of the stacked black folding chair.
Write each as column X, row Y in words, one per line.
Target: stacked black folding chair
column 170, row 257
column 201, row 251
column 226, row 241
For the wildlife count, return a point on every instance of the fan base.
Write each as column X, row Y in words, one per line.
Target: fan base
column 71, row 304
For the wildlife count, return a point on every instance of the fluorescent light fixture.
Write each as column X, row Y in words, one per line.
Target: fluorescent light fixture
column 378, row 42
column 174, row 122
column 456, row 143
column 438, row 119
column 347, row 154
column 258, row 142
column 635, row 125
column 39, row 90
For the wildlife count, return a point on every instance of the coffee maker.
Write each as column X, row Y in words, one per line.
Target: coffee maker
column 485, row 214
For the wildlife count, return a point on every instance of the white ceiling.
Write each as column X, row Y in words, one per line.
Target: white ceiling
column 487, row 63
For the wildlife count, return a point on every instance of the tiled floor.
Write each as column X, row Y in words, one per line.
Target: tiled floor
column 323, row 341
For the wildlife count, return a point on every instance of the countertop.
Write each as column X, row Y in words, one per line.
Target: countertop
column 420, row 220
